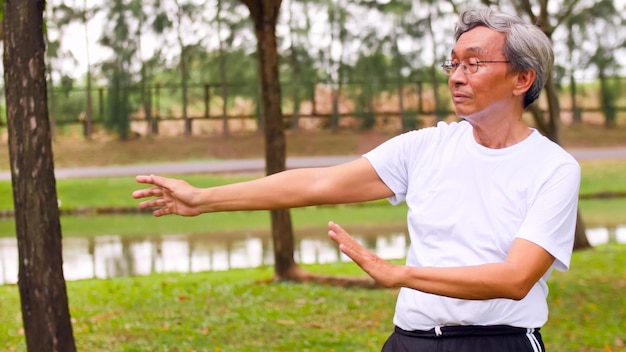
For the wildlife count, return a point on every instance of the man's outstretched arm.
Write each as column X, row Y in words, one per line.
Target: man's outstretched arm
column 355, row 181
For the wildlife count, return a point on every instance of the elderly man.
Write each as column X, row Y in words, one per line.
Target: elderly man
column 492, row 203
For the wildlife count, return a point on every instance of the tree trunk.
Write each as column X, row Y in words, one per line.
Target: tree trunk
column 404, row 119
column 224, row 84
column 88, row 122
column 608, row 98
column 337, row 85
column 576, row 113
column 265, row 14
column 184, row 74
column 184, row 99
column 44, row 304
column 439, row 110
column 295, row 71
column 223, row 78
column 580, row 235
column 334, row 115
column 550, row 128
column 554, row 110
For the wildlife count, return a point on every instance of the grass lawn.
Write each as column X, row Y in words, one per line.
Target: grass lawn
column 236, row 311
column 588, row 303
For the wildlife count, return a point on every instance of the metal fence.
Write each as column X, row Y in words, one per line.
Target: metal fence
column 216, row 108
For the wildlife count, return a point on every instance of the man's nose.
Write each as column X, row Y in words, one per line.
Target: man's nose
column 457, row 76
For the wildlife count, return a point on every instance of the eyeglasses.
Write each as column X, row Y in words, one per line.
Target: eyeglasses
column 469, row 65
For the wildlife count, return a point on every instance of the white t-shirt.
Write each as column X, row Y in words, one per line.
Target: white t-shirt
column 466, row 205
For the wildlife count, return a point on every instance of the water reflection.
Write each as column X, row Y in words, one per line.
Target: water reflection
column 115, row 256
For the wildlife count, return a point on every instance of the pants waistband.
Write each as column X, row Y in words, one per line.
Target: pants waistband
column 467, row 330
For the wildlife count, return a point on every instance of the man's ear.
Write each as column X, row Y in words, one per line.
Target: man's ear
column 524, row 81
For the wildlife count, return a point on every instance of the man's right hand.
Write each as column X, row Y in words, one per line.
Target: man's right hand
column 172, row 196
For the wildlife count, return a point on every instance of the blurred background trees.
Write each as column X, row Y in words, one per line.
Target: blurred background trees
column 112, row 63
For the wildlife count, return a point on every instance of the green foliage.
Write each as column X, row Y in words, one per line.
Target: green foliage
column 410, row 121
column 65, row 102
column 240, row 70
column 119, row 108
column 161, row 22
column 368, row 120
column 392, row 55
column 610, row 91
column 120, row 35
column 299, row 76
column 372, row 72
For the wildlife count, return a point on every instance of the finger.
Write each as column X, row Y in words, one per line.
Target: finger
column 152, row 203
column 152, row 179
column 161, row 212
column 159, row 181
column 333, row 231
column 339, row 235
column 143, row 179
column 148, row 192
column 332, row 226
column 347, row 244
column 147, row 204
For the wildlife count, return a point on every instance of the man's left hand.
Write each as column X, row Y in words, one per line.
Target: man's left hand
column 378, row 269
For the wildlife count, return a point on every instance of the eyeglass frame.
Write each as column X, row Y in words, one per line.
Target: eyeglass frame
column 448, row 68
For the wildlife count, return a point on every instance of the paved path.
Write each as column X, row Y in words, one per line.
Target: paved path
column 214, row 167
column 258, row 165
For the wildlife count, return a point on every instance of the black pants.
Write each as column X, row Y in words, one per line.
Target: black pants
column 466, row 339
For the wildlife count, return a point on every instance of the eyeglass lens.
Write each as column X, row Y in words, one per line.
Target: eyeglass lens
column 469, row 66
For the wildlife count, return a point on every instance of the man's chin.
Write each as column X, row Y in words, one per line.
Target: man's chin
column 463, row 113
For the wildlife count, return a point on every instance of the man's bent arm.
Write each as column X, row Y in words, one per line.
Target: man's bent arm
column 525, row 264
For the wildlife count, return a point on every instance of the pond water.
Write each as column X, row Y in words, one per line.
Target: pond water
column 115, row 256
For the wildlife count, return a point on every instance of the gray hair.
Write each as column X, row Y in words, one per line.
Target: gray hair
column 525, row 46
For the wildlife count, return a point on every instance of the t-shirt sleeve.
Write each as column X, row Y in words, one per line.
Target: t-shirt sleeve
column 397, row 158
column 389, row 161
column 551, row 219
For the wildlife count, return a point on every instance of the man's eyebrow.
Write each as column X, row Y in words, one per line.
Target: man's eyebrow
column 472, row 49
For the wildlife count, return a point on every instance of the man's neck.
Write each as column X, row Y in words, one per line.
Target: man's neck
column 501, row 133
